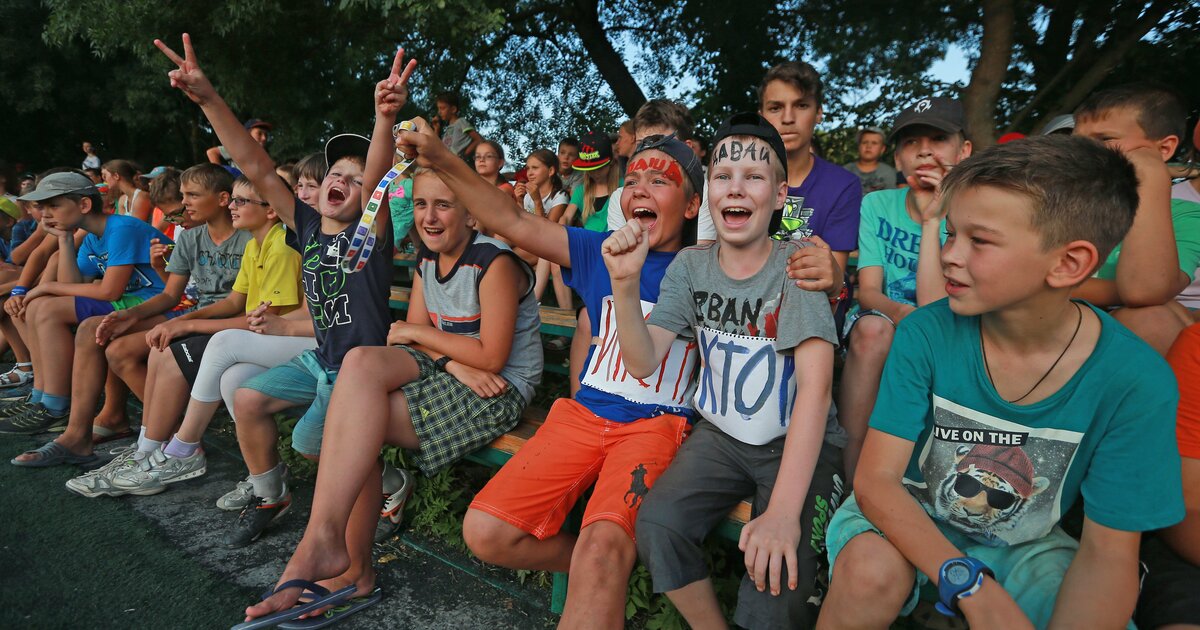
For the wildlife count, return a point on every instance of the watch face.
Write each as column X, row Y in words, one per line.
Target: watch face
column 958, row 574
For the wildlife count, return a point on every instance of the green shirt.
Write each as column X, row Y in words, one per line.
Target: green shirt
column 1185, row 216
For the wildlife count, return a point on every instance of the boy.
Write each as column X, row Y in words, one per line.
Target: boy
column 619, row 432
column 348, row 309
column 764, row 343
column 458, row 134
column 568, row 152
column 1157, row 259
column 259, row 130
column 1004, row 404
column 117, row 250
column 898, row 250
column 874, row 174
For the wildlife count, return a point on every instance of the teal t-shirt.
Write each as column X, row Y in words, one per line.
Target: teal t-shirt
column 1108, row 434
column 401, row 207
column 1185, row 217
column 889, row 238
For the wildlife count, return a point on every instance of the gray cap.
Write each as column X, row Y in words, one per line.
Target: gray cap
column 61, row 184
column 1064, row 123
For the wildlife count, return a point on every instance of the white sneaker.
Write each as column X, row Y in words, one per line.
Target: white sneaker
column 154, row 470
column 238, row 498
column 98, row 482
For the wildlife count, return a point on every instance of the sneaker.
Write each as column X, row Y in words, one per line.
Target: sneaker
column 256, row 517
column 36, row 419
column 15, row 405
column 239, row 497
column 392, row 514
column 98, row 482
column 154, row 470
column 16, row 392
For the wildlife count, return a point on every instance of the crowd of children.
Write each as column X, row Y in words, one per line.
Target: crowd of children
column 1014, row 435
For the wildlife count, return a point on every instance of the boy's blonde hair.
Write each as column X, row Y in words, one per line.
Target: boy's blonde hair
column 210, row 177
column 1079, row 189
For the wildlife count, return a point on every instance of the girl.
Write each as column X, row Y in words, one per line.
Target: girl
column 489, row 159
column 544, row 196
column 121, row 178
column 589, row 202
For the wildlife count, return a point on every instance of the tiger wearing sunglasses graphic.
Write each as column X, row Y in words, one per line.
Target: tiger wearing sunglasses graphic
column 988, row 489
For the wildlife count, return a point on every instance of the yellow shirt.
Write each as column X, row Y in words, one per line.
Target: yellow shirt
column 270, row 273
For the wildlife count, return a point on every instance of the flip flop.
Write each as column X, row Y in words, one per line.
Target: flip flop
column 321, row 597
column 335, row 614
column 101, row 434
column 54, row 454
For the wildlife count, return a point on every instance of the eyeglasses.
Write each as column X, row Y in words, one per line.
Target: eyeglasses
column 174, row 216
column 241, row 201
column 967, row 486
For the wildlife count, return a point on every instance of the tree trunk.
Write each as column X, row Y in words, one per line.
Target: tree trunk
column 995, row 52
column 586, row 19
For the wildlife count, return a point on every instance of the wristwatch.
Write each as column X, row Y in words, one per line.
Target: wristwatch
column 959, row 578
column 440, row 364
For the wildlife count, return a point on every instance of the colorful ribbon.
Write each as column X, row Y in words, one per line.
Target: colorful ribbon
column 364, row 235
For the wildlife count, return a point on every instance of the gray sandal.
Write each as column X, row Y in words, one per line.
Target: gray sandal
column 54, row 454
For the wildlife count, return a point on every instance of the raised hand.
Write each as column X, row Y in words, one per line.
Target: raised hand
column 930, row 179
column 625, row 251
column 51, row 228
column 420, row 143
column 159, row 253
column 392, row 93
column 187, row 76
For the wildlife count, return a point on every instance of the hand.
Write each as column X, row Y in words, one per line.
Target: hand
column 114, row 324
column 403, row 333
column 14, row 305
column 625, row 251
column 814, row 268
column 930, row 179
column 35, row 293
column 483, row 383
column 264, row 322
column 769, row 543
column 158, row 254
column 52, row 228
column 519, row 191
column 159, row 337
column 187, row 76
column 420, row 144
column 392, row 93
column 993, row 607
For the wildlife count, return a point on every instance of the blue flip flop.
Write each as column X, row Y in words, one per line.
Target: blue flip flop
column 320, row 597
column 335, row 614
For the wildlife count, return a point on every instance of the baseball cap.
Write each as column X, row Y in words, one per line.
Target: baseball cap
column 345, row 144
column 257, row 122
column 9, row 207
column 938, row 112
column 61, row 184
column 755, row 126
column 154, row 172
column 681, row 153
column 595, row 151
column 1063, row 122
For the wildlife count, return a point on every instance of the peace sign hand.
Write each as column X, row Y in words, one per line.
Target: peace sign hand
column 188, row 77
column 392, row 93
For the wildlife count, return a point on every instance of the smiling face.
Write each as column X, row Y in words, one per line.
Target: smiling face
column 655, row 196
column 202, row 204
column 341, row 191
column 537, row 172
column 745, row 187
column 247, row 209
column 441, row 221
column 793, row 113
column 993, row 256
column 920, row 148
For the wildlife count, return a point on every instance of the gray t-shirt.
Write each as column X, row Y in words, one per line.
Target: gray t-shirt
column 882, row 178
column 745, row 331
column 212, row 267
column 457, row 136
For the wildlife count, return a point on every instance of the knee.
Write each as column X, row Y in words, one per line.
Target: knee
column 364, row 360
column 488, row 537
column 871, row 335
column 868, row 567
column 248, row 403
column 604, row 548
column 85, row 335
column 117, row 355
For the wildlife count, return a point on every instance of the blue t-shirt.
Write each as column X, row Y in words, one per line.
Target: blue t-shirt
column 605, row 387
column 21, row 232
column 126, row 241
column 1108, row 434
column 826, row 204
column 889, row 238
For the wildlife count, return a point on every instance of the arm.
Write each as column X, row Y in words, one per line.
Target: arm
column 142, row 209
column 214, row 155
column 494, row 209
column 1101, row 585
column 110, row 288
column 21, row 253
column 68, row 267
column 475, row 140
column 817, row 268
column 885, row 502
column 931, row 284
column 1148, row 271
column 871, row 296
column 250, row 156
column 770, row 541
column 643, row 347
column 390, row 95
column 1099, row 292
column 1184, row 538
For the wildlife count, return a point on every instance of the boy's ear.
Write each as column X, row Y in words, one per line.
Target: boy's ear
column 781, row 194
column 85, row 205
column 1076, row 262
column 1167, row 146
column 693, row 207
column 965, row 151
column 223, row 199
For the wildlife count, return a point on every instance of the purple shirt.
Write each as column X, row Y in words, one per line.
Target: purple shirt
column 825, row 204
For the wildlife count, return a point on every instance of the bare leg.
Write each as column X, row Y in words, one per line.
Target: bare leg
column 9, row 329
column 127, row 356
column 51, row 319
column 697, row 602
column 541, row 277
column 579, row 349
column 25, row 330
column 867, row 570
column 196, row 419
column 497, row 542
column 256, row 431
column 870, row 341
column 600, row 568
column 116, row 395
column 165, row 405
column 88, row 377
column 562, row 293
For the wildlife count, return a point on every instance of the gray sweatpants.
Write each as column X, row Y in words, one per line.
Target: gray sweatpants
column 709, row 476
column 234, row 356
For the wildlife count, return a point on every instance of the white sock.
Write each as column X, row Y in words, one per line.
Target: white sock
column 145, row 444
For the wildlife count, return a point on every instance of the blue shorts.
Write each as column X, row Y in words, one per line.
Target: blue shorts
column 1031, row 572
column 303, row 381
column 89, row 307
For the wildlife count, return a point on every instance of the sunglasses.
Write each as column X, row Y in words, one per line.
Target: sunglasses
column 967, row 487
column 241, row 201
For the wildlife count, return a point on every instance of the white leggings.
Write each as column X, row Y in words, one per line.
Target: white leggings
column 234, row 356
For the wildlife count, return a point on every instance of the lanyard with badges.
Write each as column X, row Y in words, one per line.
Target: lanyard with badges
column 364, row 234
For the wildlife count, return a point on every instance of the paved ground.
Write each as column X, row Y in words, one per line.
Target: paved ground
column 141, row 562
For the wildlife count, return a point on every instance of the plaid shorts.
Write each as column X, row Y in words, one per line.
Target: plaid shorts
column 451, row 420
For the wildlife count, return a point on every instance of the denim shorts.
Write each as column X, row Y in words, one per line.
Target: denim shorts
column 303, row 381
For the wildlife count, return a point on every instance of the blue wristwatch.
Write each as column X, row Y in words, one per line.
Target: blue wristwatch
column 959, row 578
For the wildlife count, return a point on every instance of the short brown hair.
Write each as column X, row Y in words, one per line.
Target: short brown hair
column 1079, row 189
column 209, row 176
column 1159, row 109
column 165, row 187
column 797, row 74
column 663, row 112
column 312, row 166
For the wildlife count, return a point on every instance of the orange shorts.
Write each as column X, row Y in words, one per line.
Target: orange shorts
column 1184, row 357
column 537, row 488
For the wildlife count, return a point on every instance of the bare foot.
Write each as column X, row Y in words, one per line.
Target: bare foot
column 77, row 449
column 364, row 584
column 321, row 555
column 116, row 421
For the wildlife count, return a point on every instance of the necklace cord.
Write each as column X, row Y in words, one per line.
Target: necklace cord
column 988, row 369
